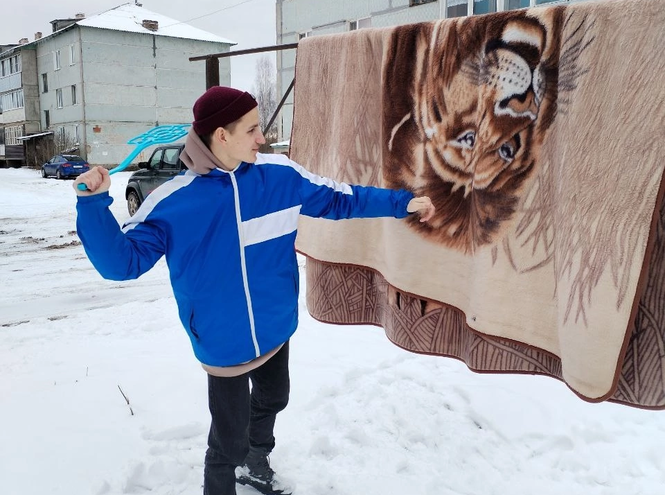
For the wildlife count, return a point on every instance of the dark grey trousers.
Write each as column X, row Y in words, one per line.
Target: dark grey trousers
column 241, row 419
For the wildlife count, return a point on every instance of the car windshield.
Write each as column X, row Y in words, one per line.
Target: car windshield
column 73, row 158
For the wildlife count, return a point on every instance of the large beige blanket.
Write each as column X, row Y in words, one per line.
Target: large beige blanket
column 540, row 136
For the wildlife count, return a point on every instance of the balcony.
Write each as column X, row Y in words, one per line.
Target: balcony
column 10, row 82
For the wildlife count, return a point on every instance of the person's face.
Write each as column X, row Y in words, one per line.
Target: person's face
column 243, row 142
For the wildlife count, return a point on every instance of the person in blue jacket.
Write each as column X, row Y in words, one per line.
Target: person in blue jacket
column 227, row 228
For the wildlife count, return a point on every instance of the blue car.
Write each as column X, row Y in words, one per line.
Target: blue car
column 64, row 166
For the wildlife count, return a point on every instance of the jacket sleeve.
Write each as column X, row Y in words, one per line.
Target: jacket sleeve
column 325, row 198
column 114, row 254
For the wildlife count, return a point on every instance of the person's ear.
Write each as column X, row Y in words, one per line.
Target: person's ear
column 220, row 135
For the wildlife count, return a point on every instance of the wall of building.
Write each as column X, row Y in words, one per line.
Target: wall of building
column 66, row 118
column 126, row 83
column 30, row 90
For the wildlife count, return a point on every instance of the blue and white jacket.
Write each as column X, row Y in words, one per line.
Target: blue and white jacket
column 229, row 242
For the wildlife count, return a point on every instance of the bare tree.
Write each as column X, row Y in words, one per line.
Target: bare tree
column 265, row 92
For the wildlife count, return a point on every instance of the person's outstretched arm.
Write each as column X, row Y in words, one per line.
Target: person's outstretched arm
column 322, row 197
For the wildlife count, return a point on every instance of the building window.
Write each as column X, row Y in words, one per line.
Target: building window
column 12, row 100
column 517, row 4
column 44, row 82
column 72, row 55
column 305, row 34
column 457, row 8
column 74, row 101
column 549, row 1
column 484, row 6
column 10, row 65
column 58, row 98
column 12, row 134
column 419, row 2
column 56, row 60
column 47, row 119
column 365, row 22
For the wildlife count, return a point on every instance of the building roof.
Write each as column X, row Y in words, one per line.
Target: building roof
column 129, row 18
column 30, row 136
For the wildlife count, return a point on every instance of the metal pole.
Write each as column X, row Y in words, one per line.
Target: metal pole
column 212, row 72
column 281, row 104
column 245, row 52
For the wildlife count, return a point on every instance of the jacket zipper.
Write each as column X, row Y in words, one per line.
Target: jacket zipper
column 243, row 264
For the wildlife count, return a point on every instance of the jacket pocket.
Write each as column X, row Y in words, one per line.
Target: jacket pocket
column 192, row 328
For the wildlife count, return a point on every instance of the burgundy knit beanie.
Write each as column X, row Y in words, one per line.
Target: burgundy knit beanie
column 220, row 106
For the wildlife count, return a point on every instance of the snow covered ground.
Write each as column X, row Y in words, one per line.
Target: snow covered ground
column 366, row 418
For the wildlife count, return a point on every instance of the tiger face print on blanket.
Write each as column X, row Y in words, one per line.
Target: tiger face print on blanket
column 481, row 95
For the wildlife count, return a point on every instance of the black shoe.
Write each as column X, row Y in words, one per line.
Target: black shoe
column 257, row 473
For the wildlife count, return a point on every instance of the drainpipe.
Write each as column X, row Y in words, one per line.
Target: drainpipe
column 84, row 135
column 154, row 56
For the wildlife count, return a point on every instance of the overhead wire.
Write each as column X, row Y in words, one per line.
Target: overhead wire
column 211, row 13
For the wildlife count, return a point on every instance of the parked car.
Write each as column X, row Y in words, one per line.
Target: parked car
column 164, row 164
column 64, row 166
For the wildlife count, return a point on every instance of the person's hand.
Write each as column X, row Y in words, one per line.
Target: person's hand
column 97, row 180
column 423, row 206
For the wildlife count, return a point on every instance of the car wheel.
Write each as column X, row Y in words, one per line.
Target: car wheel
column 58, row 174
column 44, row 172
column 133, row 202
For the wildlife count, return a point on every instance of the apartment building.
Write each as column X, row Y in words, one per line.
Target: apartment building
column 19, row 102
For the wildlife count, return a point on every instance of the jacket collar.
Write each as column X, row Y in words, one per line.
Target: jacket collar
column 221, row 172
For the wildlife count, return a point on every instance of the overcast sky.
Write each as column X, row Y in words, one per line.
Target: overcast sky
column 250, row 23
